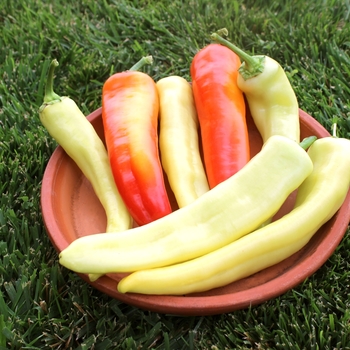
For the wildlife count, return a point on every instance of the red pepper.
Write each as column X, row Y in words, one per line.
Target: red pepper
column 221, row 112
column 130, row 109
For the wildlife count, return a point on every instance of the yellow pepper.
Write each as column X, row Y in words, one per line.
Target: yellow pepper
column 232, row 209
column 74, row 133
column 178, row 140
column 318, row 199
column 270, row 96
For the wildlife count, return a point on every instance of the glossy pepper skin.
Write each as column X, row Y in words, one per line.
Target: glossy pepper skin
column 221, row 112
column 270, row 96
column 69, row 127
column 130, row 108
column 178, row 140
column 318, row 199
column 229, row 211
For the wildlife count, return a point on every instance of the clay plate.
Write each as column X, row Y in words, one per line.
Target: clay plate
column 71, row 209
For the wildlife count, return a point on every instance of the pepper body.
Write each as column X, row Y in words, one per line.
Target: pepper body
column 270, row 96
column 318, row 199
column 130, row 107
column 229, row 211
column 221, row 112
column 178, row 140
column 74, row 133
column 272, row 102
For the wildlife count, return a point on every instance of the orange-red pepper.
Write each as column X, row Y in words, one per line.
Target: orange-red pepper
column 130, row 109
column 221, row 112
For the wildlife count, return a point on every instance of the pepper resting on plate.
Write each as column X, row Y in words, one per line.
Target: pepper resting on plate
column 130, row 107
column 271, row 98
column 221, row 112
column 318, row 198
column 74, row 133
column 232, row 209
column 178, row 140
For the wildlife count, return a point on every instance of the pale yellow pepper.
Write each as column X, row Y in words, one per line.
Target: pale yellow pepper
column 66, row 123
column 232, row 209
column 319, row 197
column 271, row 98
column 178, row 140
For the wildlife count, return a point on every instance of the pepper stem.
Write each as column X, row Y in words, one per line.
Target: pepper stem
column 143, row 61
column 307, row 142
column 50, row 95
column 252, row 65
column 334, row 130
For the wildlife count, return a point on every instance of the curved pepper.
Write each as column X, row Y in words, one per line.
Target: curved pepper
column 130, row 109
column 178, row 140
column 221, row 112
column 229, row 211
column 271, row 98
column 74, row 133
column 318, row 199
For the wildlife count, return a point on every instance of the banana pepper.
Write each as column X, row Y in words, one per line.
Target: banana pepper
column 232, row 209
column 272, row 101
column 74, row 133
column 178, row 140
column 318, row 199
column 221, row 112
column 130, row 107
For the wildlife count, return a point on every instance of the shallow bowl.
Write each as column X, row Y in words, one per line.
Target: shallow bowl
column 71, row 209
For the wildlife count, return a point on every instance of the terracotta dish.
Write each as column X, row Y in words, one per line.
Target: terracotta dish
column 71, row 209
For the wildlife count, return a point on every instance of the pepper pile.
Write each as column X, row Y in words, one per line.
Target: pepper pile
column 222, row 230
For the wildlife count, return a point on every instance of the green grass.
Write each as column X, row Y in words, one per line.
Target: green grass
column 43, row 305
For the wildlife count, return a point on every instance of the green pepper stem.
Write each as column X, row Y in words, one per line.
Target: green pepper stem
column 143, row 61
column 307, row 142
column 50, row 95
column 252, row 66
